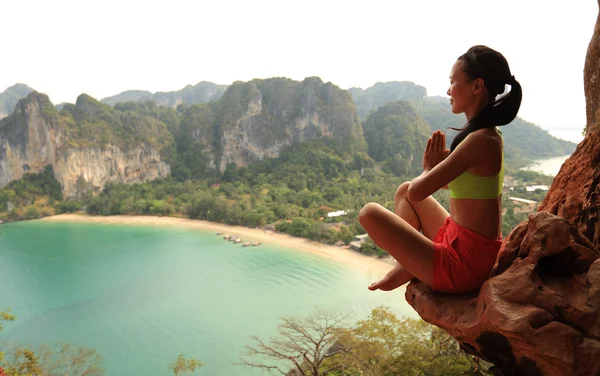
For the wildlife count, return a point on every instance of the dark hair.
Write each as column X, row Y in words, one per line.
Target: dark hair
column 489, row 65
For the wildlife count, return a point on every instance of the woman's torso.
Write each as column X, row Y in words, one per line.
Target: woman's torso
column 483, row 216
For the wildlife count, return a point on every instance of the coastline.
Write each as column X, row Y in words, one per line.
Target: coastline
column 378, row 267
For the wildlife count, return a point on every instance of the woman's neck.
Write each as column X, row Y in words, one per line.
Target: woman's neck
column 476, row 108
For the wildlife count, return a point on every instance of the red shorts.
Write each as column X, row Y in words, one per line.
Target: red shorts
column 463, row 259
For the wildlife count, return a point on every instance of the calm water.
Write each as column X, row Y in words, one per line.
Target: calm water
column 142, row 294
column 548, row 166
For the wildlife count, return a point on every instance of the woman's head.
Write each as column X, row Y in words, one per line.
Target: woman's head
column 476, row 79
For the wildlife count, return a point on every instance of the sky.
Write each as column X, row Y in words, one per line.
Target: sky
column 101, row 48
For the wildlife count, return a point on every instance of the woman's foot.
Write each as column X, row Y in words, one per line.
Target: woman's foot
column 392, row 280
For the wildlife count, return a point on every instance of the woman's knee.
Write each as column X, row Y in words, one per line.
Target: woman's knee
column 368, row 212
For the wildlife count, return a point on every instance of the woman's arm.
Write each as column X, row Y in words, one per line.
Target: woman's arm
column 467, row 154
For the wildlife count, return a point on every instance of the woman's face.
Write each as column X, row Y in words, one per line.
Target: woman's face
column 462, row 89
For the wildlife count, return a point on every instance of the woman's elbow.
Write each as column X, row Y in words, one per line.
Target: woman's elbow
column 414, row 193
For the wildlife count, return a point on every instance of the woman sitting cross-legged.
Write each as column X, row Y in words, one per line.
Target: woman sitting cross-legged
column 453, row 253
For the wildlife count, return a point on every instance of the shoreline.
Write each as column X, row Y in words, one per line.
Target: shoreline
column 339, row 254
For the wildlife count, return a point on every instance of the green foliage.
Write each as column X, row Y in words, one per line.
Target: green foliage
column 510, row 219
column 386, row 345
column 397, row 136
column 31, row 197
column 69, row 206
column 382, row 345
column 185, row 366
column 6, row 316
column 371, row 249
column 196, row 141
column 532, row 177
column 62, row 359
column 91, row 124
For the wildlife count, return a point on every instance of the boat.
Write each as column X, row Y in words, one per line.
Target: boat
column 237, row 240
column 255, row 244
column 246, row 244
column 226, row 236
column 219, row 233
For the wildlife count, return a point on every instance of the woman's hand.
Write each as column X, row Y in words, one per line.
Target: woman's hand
column 435, row 151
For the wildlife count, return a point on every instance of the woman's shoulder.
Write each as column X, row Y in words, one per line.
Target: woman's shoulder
column 486, row 140
column 487, row 135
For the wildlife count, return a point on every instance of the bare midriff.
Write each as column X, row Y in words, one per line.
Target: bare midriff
column 481, row 216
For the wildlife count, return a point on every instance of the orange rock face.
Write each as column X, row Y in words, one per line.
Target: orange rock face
column 539, row 312
column 575, row 195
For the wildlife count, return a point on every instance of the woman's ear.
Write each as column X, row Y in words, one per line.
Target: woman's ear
column 478, row 85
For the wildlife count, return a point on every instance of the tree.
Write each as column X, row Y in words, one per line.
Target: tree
column 183, row 366
column 386, row 345
column 302, row 344
column 63, row 360
column 5, row 316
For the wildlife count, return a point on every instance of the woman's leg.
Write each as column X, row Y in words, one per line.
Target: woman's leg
column 408, row 246
column 426, row 216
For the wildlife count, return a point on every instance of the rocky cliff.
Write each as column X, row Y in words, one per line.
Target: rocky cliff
column 397, row 137
column 91, row 143
column 87, row 144
column 257, row 119
column 539, row 312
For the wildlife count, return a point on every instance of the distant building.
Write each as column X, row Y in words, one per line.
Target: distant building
column 355, row 246
column 533, row 188
column 336, row 213
column 358, row 240
column 523, row 205
column 509, row 184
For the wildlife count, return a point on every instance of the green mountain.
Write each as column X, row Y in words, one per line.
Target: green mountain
column 397, row 136
column 87, row 144
column 251, row 122
column 92, row 124
column 257, row 119
column 10, row 97
column 202, row 92
column 381, row 93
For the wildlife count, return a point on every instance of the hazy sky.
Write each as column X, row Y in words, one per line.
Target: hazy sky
column 65, row 48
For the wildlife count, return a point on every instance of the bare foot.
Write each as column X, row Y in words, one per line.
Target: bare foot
column 392, row 280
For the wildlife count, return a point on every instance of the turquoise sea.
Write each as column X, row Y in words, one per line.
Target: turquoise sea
column 548, row 166
column 141, row 294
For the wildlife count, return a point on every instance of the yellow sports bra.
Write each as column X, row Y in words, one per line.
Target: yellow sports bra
column 468, row 185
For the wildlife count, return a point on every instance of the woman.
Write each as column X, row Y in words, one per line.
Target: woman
column 453, row 253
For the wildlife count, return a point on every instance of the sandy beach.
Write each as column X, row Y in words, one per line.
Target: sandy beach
column 375, row 267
